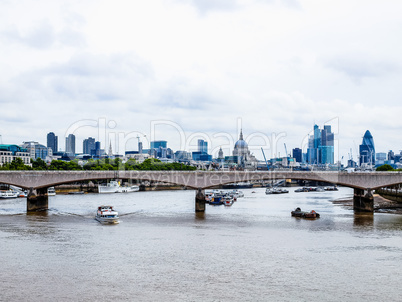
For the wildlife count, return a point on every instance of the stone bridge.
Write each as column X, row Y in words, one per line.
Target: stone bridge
column 38, row 181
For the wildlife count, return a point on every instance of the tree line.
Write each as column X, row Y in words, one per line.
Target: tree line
column 98, row 164
column 387, row 167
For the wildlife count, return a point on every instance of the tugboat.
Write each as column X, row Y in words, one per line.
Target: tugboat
column 299, row 213
column 107, row 215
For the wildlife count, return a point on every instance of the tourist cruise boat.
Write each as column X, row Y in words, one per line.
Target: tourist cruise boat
column 8, row 194
column 106, row 214
column 114, row 187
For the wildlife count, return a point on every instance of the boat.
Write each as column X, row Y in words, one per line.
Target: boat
column 216, row 201
column 304, row 189
column 236, row 193
column 114, row 187
column 21, row 193
column 299, row 213
column 227, row 201
column 5, row 194
column 76, row 193
column 310, row 189
column 312, row 214
column 51, row 191
column 276, row 190
column 107, row 215
column 239, row 185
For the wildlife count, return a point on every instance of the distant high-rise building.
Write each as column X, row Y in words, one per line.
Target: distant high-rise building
column 391, row 155
column 88, row 145
column 139, row 147
column 321, row 146
column 52, row 141
column 37, row 150
column 202, row 146
column 367, row 150
column 157, row 144
column 98, row 149
column 182, row 156
column 297, row 154
column 380, row 158
column 70, row 144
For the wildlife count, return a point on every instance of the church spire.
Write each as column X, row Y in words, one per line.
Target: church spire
column 110, row 149
column 241, row 134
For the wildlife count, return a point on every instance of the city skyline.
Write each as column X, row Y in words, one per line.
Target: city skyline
column 280, row 66
column 89, row 143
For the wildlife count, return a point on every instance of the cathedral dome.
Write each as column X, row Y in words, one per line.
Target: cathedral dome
column 241, row 144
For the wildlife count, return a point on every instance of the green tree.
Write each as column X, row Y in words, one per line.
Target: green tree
column 18, row 164
column 39, row 164
column 385, row 168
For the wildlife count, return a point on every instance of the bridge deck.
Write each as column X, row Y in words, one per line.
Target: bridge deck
column 199, row 179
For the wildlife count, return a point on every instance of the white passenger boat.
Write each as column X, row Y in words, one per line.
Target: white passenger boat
column 51, row 191
column 114, row 187
column 106, row 214
column 8, row 194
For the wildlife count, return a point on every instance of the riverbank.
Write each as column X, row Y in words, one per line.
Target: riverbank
column 381, row 205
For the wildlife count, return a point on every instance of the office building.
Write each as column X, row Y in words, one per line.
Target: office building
column 88, row 145
column 297, row 154
column 202, row 146
column 70, row 144
column 52, row 141
column 37, row 150
column 321, row 146
column 367, row 150
column 157, row 144
column 8, row 153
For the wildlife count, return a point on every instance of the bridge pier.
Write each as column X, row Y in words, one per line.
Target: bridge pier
column 363, row 201
column 37, row 200
column 200, row 201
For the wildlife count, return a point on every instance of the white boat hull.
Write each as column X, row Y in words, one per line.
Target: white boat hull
column 104, row 220
column 8, row 194
column 107, row 215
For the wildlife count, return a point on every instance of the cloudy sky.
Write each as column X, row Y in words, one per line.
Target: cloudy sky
column 180, row 70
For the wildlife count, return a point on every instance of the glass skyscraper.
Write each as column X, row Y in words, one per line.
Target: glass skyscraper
column 88, row 145
column 321, row 146
column 157, row 144
column 367, row 150
column 202, row 146
column 52, row 141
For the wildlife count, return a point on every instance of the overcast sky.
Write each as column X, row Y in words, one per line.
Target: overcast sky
column 180, row 70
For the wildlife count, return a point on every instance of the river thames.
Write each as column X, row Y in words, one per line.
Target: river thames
column 162, row 251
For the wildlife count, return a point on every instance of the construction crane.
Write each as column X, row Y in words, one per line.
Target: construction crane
column 265, row 158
